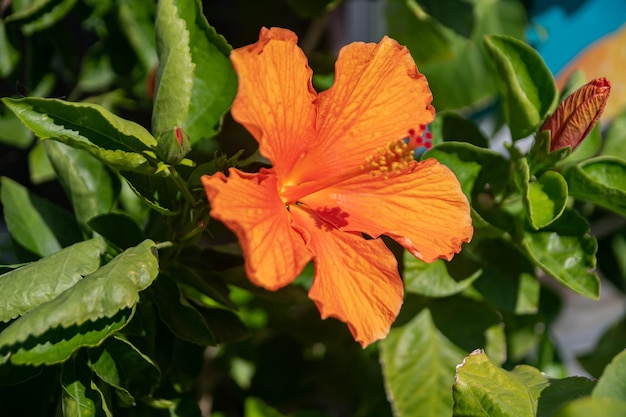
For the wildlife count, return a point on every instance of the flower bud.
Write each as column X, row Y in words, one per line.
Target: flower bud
column 577, row 114
column 173, row 145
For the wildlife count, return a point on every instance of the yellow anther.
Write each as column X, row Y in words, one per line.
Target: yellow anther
column 389, row 159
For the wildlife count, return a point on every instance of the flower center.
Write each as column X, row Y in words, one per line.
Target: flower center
column 391, row 159
column 396, row 157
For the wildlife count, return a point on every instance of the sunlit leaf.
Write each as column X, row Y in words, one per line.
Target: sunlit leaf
column 419, row 355
column 434, row 279
column 599, row 180
column 418, row 363
column 612, row 383
column 57, row 345
column 119, row 143
column 480, row 386
column 588, row 406
column 544, row 198
column 569, row 259
column 80, row 397
column 89, row 185
column 102, row 294
column 527, row 84
column 195, row 82
column 121, row 365
column 29, row 286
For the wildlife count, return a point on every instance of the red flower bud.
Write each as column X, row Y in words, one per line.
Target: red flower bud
column 577, row 114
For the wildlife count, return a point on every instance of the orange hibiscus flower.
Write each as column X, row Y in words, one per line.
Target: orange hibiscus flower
column 340, row 170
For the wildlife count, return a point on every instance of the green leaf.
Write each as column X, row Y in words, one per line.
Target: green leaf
column 40, row 15
column 118, row 143
column 419, row 355
column 545, row 198
column 29, row 286
column 569, row 223
column 137, row 22
column 77, row 398
column 34, row 223
column 569, row 259
column 8, row 54
column 443, row 50
column 255, row 407
column 121, row 365
column 614, row 144
column 203, row 280
column 117, row 229
column 612, row 383
column 103, row 364
column 473, row 166
column 589, row 406
column 86, row 180
column 159, row 192
column 452, row 126
column 39, row 165
column 57, row 345
column 540, row 158
column 435, row 279
column 528, row 86
column 102, row 294
column 480, row 385
column 561, row 392
column 418, row 365
column 408, row 21
column 599, row 180
column 508, row 277
column 457, row 15
column 184, row 320
column 195, row 80
column 225, row 325
column 13, row 132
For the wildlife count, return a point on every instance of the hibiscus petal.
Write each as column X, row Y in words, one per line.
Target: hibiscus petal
column 356, row 280
column 377, row 97
column 423, row 209
column 249, row 205
column 275, row 97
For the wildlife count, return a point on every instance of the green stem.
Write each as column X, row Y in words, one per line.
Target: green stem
column 182, row 186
